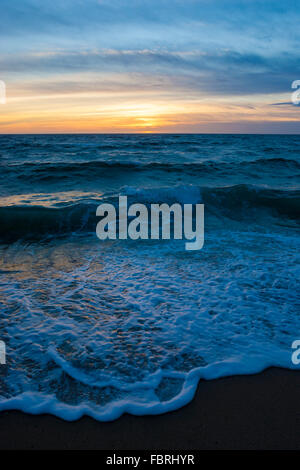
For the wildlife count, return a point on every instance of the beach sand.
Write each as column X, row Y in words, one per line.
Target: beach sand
column 243, row 412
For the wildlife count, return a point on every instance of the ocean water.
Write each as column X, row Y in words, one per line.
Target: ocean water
column 106, row 327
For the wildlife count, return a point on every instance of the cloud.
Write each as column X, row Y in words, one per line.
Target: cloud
column 221, row 72
column 151, row 23
column 288, row 103
column 238, row 51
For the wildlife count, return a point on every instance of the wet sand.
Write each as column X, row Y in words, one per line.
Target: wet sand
column 243, row 412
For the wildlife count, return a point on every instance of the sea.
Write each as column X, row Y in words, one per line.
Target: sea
column 102, row 328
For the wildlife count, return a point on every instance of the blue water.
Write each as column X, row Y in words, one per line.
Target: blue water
column 106, row 327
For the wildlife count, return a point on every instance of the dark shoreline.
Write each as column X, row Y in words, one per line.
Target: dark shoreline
column 243, row 412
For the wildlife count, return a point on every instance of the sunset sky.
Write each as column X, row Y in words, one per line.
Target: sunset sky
column 149, row 66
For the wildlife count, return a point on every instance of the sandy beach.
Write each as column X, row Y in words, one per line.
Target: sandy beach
column 245, row 412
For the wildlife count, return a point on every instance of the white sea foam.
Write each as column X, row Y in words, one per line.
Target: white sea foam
column 104, row 331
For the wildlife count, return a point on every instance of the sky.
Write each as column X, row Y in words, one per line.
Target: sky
column 178, row 66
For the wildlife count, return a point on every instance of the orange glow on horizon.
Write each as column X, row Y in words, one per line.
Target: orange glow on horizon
column 130, row 112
